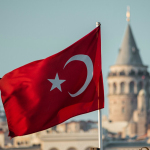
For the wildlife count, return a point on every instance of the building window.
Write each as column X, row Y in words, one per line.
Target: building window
column 88, row 148
column 132, row 101
column 132, row 73
column 122, row 109
column 122, row 73
column 72, row 148
column 147, row 87
column 122, row 87
column 114, row 88
column 131, row 87
column 140, row 85
column 18, row 143
column 53, row 149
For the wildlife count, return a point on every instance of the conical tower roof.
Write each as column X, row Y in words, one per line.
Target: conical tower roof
column 129, row 53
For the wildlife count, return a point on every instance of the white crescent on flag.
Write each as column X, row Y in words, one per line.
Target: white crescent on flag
column 89, row 65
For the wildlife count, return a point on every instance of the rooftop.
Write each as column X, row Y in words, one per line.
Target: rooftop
column 129, row 53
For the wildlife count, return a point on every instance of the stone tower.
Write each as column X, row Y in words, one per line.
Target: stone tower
column 126, row 78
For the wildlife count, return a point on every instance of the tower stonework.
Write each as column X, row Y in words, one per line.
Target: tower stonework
column 125, row 79
column 142, row 113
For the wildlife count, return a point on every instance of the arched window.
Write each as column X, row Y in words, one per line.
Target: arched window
column 122, row 87
column 131, row 87
column 114, row 88
column 140, row 86
column 71, row 148
column 18, row 143
column 88, row 148
column 122, row 109
column 147, row 74
column 53, row 149
column 114, row 74
column 122, row 73
column 132, row 73
column 140, row 73
column 147, row 87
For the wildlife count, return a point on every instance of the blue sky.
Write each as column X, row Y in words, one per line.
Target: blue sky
column 35, row 29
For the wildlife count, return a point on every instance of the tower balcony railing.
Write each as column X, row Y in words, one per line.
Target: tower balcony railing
column 123, row 94
column 139, row 74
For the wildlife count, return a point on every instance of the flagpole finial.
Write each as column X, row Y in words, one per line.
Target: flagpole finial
column 128, row 14
column 98, row 24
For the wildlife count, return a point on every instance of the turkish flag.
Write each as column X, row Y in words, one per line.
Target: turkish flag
column 47, row 92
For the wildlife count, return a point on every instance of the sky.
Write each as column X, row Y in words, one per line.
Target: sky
column 34, row 29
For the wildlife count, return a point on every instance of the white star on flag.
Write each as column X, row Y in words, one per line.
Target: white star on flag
column 56, row 82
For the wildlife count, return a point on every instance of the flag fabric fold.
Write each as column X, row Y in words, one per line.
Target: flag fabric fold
column 47, row 92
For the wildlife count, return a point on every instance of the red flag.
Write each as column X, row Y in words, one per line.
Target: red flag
column 47, row 92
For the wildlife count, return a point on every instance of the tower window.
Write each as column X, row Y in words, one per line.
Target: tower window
column 122, row 73
column 114, row 88
column 140, row 85
column 147, row 87
column 131, row 87
column 140, row 73
column 122, row 109
column 132, row 73
column 122, row 87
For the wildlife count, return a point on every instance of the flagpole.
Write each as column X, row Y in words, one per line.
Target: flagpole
column 99, row 115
